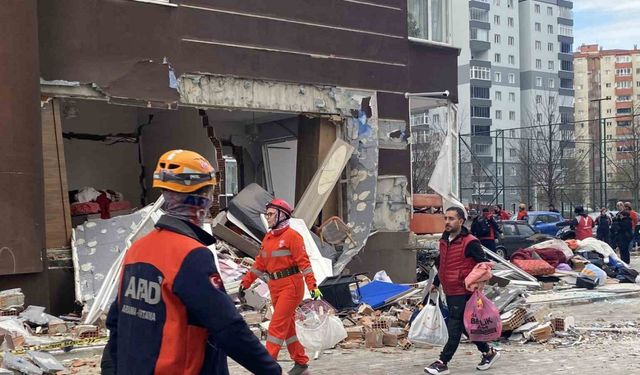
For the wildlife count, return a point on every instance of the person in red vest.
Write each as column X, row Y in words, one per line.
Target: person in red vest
column 522, row 212
column 460, row 251
column 172, row 314
column 284, row 262
column 632, row 214
column 500, row 213
column 582, row 224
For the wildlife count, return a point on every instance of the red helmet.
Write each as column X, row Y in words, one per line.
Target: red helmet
column 282, row 205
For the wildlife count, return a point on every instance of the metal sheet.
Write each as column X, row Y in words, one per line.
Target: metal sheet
column 95, row 246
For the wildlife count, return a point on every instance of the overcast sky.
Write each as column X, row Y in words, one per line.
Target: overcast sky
column 610, row 23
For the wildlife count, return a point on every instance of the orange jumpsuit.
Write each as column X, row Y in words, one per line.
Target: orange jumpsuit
column 283, row 249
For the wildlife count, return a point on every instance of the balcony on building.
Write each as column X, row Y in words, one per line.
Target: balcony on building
column 478, row 37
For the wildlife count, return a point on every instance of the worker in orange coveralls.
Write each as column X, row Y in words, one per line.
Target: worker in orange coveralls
column 283, row 261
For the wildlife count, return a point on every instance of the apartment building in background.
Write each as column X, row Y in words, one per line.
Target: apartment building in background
column 607, row 87
column 514, row 55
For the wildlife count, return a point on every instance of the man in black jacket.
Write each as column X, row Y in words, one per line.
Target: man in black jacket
column 622, row 234
column 604, row 225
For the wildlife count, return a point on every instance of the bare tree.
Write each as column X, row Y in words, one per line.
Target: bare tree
column 547, row 162
column 425, row 156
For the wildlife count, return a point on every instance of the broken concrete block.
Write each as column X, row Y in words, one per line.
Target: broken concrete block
column 405, row 315
column 405, row 344
column 36, row 315
column 536, row 315
column 365, row 309
column 393, row 336
column 355, row 333
column 542, row 333
column 257, row 296
column 373, row 339
column 45, row 361
column 11, row 298
column 86, row 331
column 22, row 365
column 252, row 317
column 57, row 327
column 513, row 319
column 562, row 324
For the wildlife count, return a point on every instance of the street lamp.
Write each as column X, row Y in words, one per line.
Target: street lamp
column 602, row 136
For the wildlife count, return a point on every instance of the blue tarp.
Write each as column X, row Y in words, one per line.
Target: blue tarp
column 376, row 293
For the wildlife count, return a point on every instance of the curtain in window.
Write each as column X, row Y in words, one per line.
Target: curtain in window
column 418, row 18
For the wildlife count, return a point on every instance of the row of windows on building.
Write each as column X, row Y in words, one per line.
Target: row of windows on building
column 564, row 12
column 483, row 73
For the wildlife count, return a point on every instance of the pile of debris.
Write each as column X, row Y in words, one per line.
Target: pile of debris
column 27, row 335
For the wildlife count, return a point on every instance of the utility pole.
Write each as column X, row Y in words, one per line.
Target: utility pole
column 602, row 132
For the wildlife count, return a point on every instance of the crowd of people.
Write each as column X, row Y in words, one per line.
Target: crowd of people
column 620, row 229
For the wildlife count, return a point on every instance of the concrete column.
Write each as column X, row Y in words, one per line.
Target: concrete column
column 22, row 231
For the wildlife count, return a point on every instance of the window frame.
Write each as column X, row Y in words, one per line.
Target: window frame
column 448, row 21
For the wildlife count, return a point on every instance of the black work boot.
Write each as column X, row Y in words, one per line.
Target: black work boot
column 299, row 369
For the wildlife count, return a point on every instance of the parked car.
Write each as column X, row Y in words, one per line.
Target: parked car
column 517, row 235
column 544, row 221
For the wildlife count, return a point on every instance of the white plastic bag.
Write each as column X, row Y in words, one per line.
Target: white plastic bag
column 317, row 327
column 382, row 276
column 429, row 326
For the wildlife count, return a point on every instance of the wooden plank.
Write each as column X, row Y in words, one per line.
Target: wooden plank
column 56, row 198
column 337, row 13
column 271, row 33
column 315, row 138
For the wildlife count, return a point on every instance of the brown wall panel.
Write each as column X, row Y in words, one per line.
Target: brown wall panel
column 21, row 206
column 290, row 36
column 100, row 41
column 393, row 106
column 394, row 162
column 292, row 67
column 433, row 68
column 337, row 13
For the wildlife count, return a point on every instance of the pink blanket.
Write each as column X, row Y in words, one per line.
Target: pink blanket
column 478, row 276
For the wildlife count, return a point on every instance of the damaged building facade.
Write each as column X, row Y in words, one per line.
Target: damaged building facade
column 95, row 91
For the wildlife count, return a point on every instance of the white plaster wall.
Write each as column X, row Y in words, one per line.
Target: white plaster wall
column 91, row 163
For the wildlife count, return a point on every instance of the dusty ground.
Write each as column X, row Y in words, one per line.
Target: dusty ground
column 596, row 354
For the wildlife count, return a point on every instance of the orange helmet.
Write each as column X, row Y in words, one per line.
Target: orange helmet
column 183, row 171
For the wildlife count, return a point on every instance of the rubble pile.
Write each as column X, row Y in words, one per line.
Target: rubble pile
column 28, row 334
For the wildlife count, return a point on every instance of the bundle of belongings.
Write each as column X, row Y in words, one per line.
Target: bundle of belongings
column 91, row 201
column 592, row 262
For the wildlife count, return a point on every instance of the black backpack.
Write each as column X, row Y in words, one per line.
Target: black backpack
column 482, row 228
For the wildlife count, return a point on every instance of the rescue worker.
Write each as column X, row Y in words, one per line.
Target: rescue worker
column 582, row 224
column 522, row 212
column 501, row 214
column 459, row 253
column 283, row 261
column 172, row 314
